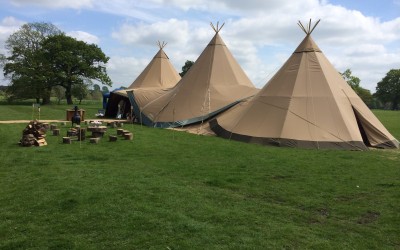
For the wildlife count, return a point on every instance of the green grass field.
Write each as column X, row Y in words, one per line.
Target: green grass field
column 174, row 190
column 25, row 111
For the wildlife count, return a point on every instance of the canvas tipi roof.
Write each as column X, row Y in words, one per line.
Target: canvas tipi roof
column 306, row 104
column 214, row 83
column 159, row 73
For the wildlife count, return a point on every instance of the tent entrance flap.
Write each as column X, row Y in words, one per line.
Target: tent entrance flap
column 361, row 129
column 372, row 135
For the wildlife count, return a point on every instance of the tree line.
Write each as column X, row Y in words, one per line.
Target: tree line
column 44, row 62
column 387, row 95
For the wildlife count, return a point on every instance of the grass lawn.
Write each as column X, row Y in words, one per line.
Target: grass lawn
column 25, row 111
column 173, row 190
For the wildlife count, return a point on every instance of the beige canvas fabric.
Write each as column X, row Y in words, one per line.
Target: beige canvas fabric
column 158, row 74
column 306, row 104
column 213, row 83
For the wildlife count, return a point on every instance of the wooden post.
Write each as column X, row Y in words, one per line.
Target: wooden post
column 81, row 134
column 67, row 140
column 113, row 137
column 56, row 131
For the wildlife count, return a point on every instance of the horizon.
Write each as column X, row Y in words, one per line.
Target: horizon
column 360, row 35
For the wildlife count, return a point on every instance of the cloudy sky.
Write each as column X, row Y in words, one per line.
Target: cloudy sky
column 363, row 35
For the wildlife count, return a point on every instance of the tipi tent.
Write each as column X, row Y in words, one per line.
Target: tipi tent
column 214, row 83
column 306, row 104
column 159, row 74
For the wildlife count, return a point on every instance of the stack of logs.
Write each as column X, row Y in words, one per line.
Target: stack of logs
column 79, row 132
column 34, row 134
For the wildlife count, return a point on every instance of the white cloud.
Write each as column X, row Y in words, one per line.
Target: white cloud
column 8, row 26
column 74, row 4
column 172, row 31
column 84, row 36
column 124, row 70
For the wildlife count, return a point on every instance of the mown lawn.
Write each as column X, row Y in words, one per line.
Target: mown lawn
column 173, row 190
column 26, row 111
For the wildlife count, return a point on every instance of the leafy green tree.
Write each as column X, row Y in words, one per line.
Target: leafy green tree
column 59, row 93
column 28, row 75
column 96, row 87
column 74, row 61
column 186, row 67
column 354, row 83
column 388, row 89
column 104, row 89
column 27, row 78
column 2, row 60
column 96, row 95
column 95, row 92
column 80, row 91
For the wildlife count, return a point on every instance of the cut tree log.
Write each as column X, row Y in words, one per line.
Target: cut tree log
column 45, row 125
column 40, row 142
column 113, row 137
column 56, row 131
column 67, row 140
column 95, row 140
column 128, row 136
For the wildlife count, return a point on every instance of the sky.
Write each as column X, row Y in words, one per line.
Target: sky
column 362, row 35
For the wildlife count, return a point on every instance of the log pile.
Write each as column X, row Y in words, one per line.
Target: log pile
column 78, row 132
column 34, row 135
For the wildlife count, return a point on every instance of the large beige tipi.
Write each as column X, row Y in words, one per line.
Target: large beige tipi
column 306, row 104
column 214, row 83
column 159, row 74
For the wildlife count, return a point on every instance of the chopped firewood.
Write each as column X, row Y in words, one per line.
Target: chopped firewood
column 34, row 134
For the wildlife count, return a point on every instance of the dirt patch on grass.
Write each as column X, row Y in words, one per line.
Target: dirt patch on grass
column 368, row 217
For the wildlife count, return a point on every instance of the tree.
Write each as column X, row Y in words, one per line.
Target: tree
column 104, row 89
column 354, row 83
column 59, row 93
column 28, row 75
column 2, row 60
column 186, row 67
column 80, row 91
column 96, row 87
column 27, row 78
column 74, row 61
column 388, row 89
column 95, row 92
